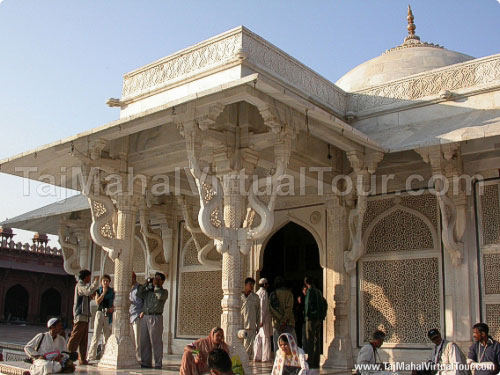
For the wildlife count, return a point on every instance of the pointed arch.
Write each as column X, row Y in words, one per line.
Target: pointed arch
column 278, row 225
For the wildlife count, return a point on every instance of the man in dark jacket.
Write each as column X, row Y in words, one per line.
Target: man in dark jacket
column 81, row 312
column 485, row 351
column 314, row 312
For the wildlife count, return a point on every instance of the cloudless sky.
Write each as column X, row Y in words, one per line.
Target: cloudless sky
column 60, row 60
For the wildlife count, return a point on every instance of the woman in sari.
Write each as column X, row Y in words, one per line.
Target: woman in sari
column 290, row 359
column 195, row 358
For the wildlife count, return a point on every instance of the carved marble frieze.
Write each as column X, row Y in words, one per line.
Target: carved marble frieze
column 473, row 73
column 237, row 46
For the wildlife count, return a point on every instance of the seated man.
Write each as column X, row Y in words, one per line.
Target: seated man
column 484, row 354
column 219, row 362
column 446, row 353
column 46, row 350
column 368, row 361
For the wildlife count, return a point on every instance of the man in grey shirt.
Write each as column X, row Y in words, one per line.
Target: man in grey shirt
column 154, row 297
column 135, row 310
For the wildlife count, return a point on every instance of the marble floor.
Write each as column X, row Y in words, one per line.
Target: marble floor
column 171, row 365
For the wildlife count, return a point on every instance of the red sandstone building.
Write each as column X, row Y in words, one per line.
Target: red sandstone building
column 33, row 283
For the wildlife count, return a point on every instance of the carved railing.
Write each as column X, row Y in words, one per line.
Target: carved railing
column 474, row 73
column 30, row 248
column 237, row 46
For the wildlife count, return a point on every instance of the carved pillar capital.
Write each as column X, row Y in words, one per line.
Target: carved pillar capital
column 128, row 202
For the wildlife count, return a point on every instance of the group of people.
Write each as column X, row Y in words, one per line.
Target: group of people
column 446, row 358
column 50, row 353
column 272, row 315
column 264, row 316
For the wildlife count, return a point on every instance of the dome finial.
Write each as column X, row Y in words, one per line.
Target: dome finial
column 411, row 27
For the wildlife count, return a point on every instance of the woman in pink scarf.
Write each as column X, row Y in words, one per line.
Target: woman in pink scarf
column 195, row 358
column 290, row 359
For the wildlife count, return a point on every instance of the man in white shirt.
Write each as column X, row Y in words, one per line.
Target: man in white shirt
column 46, row 350
column 250, row 311
column 446, row 354
column 262, row 346
column 368, row 361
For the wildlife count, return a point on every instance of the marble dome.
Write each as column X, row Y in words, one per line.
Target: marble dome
column 411, row 57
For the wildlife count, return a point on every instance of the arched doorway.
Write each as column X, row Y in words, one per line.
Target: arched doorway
column 292, row 252
column 50, row 304
column 16, row 303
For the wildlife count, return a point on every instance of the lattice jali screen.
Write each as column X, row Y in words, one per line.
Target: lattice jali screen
column 97, row 258
column 399, row 231
column 491, row 264
column 493, row 320
column 191, row 254
column 399, row 299
column 109, row 266
column 490, row 214
column 374, row 208
column 426, row 204
column 138, row 260
column 199, row 306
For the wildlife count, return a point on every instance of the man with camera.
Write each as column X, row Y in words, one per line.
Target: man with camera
column 47, row 351
column 104, row 298
column 154, row 297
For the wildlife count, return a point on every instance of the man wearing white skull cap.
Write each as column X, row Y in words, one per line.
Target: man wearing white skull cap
column 46, row 350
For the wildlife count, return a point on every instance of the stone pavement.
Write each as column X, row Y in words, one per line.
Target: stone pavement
column 21, row 334
column 171, row 365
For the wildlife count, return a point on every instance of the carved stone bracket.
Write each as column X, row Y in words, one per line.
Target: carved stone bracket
column 74, row 238
column 364, row 166
column 195, row 230
column 69, row 247
column 152, row 241
column 447, row 167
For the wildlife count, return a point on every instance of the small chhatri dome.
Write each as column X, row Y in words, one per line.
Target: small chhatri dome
column 411, row 57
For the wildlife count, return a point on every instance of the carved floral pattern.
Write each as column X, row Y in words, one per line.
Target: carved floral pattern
column 212, row 54
column 473, row 73
column 181, row 66
column 293, row 72
column 99, row 208
column 388, row 286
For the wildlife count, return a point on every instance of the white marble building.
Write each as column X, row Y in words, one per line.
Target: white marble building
column 398, row 259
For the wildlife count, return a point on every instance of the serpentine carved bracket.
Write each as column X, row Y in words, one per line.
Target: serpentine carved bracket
column 364, row 166
column 446, row 163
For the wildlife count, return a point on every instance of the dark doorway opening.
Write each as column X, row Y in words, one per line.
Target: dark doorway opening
column 292, row 252
column 51, row 305
column 16, row 304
